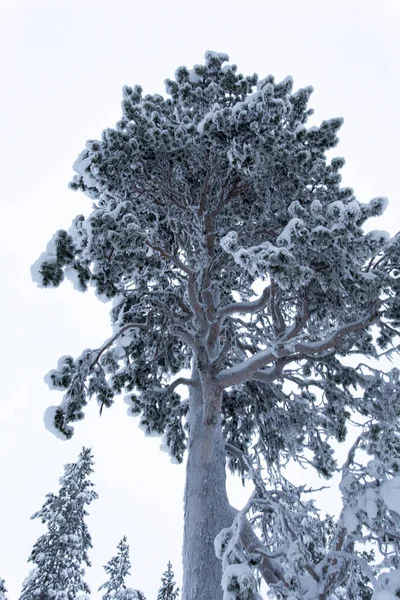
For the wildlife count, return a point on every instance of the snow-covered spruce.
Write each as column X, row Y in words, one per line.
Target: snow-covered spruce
column 168, row 589
column 222, row 235
column 117, row 569
column 59, row 554
column 3, row 589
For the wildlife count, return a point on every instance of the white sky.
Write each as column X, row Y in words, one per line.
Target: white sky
column 63, row 65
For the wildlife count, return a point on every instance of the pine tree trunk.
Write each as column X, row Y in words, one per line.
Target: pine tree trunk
column 207, row 509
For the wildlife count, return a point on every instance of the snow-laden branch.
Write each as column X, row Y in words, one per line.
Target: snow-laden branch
column 245, row 307
column 312, row 348
column 271, row 374
column 110, row 341
column 248, row 368
column 268, row 567
column 294, row 351
column 179, row 381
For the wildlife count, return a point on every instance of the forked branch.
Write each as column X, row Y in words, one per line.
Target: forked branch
column 245, row 307
column 294, row 351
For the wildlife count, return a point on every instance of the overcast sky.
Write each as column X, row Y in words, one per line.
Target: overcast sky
column 62, row 69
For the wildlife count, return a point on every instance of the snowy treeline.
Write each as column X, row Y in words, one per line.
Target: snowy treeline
column 61, row 553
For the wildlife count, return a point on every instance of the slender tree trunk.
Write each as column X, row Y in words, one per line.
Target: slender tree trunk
column 207, row 509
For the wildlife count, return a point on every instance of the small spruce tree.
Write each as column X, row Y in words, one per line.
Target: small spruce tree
column 3, row 589
column 60, row 553
column 118, row 568
column 167, row 590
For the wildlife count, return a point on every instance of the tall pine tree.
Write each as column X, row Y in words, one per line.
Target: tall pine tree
column 167, row 590
column 118, row 568
column 222, row 234
column 62, row 551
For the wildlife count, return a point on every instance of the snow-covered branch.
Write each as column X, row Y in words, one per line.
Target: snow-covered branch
column 179, row 381
column 110, row 342
column 295, row 351
column 245, row 307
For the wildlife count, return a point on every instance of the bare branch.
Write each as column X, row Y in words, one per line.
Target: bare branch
column 207, row 294
column 173, row 193
column 209, row 227
column 183, row 306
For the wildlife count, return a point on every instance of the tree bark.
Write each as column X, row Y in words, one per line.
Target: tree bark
column 207, row 509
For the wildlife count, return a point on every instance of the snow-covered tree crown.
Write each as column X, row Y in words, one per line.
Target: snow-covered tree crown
column 197, row 196
column 117, row 568
column 60, row 553
column 168, row 589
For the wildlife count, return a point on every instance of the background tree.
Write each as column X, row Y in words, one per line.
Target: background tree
column 167, row 591
column 118, row 568
column 60, row 553
column 222, row 234
column 3, row 589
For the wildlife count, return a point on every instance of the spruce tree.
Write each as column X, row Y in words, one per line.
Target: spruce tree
column 167, row 590
column 60, row 553
column 3, row 589
column 222, row 235
column 118, row 568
